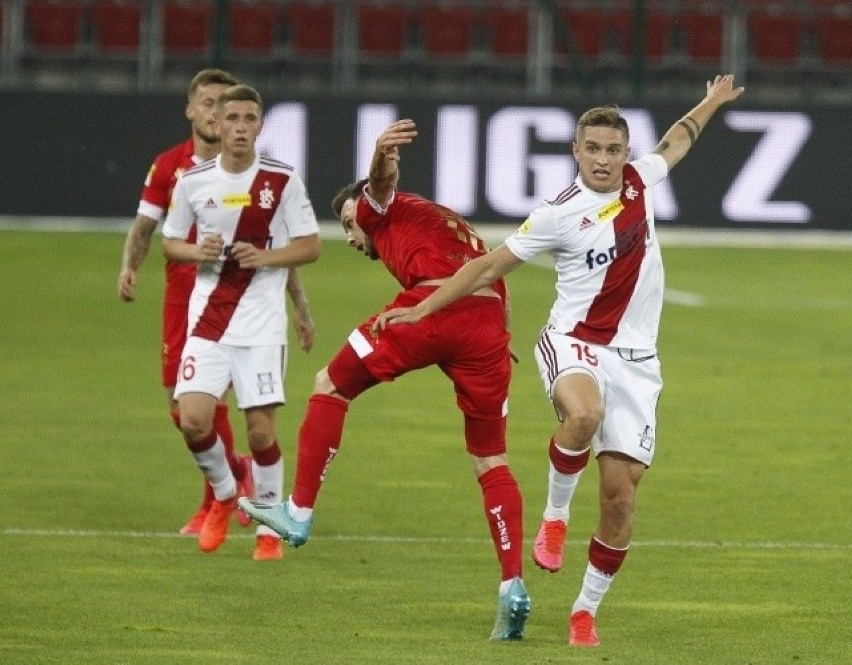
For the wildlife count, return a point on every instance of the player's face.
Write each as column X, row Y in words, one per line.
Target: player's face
column 239, row 124
column 601, row 153
column 354, row 235
column 201, row 111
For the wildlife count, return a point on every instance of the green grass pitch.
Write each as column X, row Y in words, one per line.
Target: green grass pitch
column 742, row 544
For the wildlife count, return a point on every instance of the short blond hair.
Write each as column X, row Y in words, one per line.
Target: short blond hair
column 240, row 93
column 603, row 116
column 208, row 77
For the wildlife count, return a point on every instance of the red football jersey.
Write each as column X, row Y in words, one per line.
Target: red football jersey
column 154, row 203
column 418, row 239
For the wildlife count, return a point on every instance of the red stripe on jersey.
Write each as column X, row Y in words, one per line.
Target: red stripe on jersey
column 252, row 227
column 622, row 274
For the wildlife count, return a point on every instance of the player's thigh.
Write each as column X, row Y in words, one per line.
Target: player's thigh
column 204, row 368
column 570, row 371
column 256, row 374
column 397, row 349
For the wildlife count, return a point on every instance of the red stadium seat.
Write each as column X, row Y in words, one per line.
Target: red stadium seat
column 116, row 26
column 447, row 31
column 587, row 31
column 311, row 28
column 54, row 26
column 187, row 27
column 383, row 29
column 775, row 39
column 702, row 34
column 507, row 32
column 252, row 27
column 834, row 40
column 658, row 34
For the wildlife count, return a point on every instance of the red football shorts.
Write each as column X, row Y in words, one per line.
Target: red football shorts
column 468, row 340
column 175, row 322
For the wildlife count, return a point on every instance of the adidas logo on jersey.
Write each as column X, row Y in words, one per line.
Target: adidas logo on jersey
column 210, row 203
column 586, row 224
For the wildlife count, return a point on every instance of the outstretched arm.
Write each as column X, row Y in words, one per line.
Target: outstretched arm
column 384, row 167
column 679, row 139
column 472, row 276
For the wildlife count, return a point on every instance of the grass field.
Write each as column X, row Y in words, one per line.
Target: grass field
column 743, row 539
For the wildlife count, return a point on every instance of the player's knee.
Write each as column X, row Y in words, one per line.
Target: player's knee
column 617, row 509
column 581, row 424
column 194, row 427
column 323, row 384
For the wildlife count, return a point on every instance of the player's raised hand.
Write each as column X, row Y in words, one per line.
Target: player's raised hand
column 721, row 89
column 402, row 132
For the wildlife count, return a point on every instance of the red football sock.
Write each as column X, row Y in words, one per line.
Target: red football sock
column 504, row 512
column 319, row 440
column 269, row 456
column 605, row 558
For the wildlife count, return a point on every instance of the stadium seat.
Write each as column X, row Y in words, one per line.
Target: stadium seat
column 702, row 36
column 310, row 28
column 775, row 38
column 834, row 40
column 382, row 29
column 252, row 28
column 54, row 26
column 447, row 31
column 187, row 27
column 507, row 32
column 658, row 34
column 586, row 30
column 116, row 26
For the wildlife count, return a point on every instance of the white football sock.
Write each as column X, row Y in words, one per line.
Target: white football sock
column 214, row 466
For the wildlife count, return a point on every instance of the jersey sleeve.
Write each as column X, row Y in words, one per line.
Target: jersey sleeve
column 651, row 168
column 154, row 199
column 180, row 217
column 299, row 214
column 537, row 234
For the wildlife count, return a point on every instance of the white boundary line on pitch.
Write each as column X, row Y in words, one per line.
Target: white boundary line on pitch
column 90, row 533
column 496, row 233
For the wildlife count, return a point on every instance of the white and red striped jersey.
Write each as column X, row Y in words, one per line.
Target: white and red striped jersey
column 609, row 270
column 265, row 205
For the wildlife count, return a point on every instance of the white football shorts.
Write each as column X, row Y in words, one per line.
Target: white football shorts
column 256, row 372
column 630, row 383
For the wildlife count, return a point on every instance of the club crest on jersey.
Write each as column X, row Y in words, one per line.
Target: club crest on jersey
column 236, row 200
column 267, row 197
